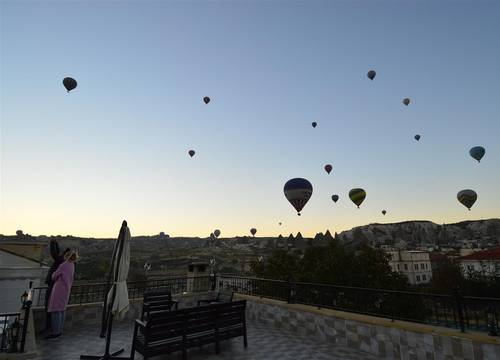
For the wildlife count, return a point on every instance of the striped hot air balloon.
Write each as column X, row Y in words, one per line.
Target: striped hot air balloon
column 298, row 191
column 357, row 196
column 467, row 198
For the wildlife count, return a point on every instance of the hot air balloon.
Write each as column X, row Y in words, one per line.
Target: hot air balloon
column 314, row 124
column 328, row 168
column 206, row 99
column 298, row 191
column 69, row 83
column 406, row 101
column 253, row 231
column 417, row 137
column 191, row 153
column 279, row 223
column 384, row 212
column 357, row 196
column 335, row 198
column 216, row 233
column 467, row 198
column 371, row 74
column 477, row 152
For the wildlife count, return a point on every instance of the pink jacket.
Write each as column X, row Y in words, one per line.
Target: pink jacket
column 63, row 280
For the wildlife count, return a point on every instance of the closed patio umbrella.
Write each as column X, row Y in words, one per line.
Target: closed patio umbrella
column 117, row 302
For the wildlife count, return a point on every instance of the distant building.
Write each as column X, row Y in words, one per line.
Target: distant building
column 415, row 265
column 19, row 264
column 485, row 262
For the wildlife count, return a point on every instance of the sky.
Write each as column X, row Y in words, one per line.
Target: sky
column 116, row 147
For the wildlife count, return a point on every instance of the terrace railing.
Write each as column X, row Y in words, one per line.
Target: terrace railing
column 454, row 310
column 14, row 326
column 96, row 292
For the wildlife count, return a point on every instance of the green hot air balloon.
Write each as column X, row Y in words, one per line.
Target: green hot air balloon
column 477, row 152
column 467, row 198
column 357, row 196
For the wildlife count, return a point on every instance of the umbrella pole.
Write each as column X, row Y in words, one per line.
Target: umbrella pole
column 109, row 315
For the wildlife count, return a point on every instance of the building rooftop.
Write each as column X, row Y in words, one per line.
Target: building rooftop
column 264, row 342
column 491, row 254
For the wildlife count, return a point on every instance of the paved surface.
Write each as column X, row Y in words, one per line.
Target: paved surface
column 264, row 342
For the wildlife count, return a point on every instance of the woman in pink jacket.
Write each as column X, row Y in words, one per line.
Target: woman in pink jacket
column 59, row 297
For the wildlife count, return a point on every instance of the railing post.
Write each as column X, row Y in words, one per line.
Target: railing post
column 214, row 281
column 290, row 291
column 459, row 308
column 27, row 301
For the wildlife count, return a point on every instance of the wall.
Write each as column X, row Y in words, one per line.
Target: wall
column 389, row 340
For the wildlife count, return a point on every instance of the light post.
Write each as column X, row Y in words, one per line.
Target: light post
column 212, row 273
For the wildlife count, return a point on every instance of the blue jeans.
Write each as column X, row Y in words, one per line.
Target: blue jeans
column 57, row 322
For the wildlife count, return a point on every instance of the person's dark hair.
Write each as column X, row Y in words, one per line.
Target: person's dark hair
column 124, row 223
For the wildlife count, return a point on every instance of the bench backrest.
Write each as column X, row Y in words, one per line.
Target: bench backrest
column 225, row 296
column 161, row 295
column 172, row 324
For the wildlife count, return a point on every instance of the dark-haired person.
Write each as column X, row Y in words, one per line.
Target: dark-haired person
column 58, row 258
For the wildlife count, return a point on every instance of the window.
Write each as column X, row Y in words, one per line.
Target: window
column 416, row 266
column 406, row 266
column 470, row 267
column 424, row 277
column 418, row 278
column 422, row 266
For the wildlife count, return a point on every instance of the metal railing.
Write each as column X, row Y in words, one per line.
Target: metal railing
column 14, row 326
column 454, row 310
column 96, row 292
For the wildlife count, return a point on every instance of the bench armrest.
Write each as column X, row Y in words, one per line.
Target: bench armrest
column 206, row 301
column 140, row 323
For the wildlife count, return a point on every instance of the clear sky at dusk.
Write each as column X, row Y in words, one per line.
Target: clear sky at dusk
column 116, row 147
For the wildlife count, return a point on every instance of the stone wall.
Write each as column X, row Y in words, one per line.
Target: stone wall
column 387, row 339
column 90, row 314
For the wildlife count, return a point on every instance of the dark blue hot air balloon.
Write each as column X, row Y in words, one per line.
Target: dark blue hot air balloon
column 298, row 191
column 477, row 152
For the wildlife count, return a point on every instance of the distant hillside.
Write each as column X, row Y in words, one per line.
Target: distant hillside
column 412, row 234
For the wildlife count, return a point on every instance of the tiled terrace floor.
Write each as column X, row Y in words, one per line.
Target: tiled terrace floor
column 264, row 342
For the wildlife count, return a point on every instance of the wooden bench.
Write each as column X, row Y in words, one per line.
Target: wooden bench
column 157, row 301
column 223, row 296
column 172, row 331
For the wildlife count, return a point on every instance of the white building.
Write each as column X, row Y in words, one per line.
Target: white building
column 19, row 264
column 415, row 265
column 485, row 262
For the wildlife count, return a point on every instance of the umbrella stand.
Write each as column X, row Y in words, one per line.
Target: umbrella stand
column 109, row 316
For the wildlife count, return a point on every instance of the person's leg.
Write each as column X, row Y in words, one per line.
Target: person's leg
column 56, row 318
column 47, row 314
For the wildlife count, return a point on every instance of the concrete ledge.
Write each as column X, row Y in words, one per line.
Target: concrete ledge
column 383, row 337
column 379, row 321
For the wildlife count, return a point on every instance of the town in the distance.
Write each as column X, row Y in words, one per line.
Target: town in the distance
column 428, row 255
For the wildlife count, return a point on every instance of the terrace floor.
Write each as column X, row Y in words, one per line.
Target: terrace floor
column 264, row 342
